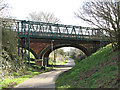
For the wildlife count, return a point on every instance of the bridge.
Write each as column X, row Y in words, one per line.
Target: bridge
column 42, row 38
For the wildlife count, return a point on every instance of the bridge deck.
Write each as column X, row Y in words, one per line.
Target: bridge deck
column 61, row 36
column 30, row 29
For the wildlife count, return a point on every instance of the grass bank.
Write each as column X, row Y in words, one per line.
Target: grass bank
column 100, row 70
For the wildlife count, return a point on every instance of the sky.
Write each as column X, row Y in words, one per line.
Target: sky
column 62, row 9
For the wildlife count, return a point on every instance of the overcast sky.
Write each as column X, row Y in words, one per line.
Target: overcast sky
column 63, row 9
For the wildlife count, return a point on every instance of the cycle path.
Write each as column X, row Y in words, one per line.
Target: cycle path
column 46, row 80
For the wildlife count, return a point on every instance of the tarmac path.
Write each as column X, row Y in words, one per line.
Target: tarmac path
column 47, row 79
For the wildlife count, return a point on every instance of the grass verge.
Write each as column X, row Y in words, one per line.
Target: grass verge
column 20, row 77
column 100, row 70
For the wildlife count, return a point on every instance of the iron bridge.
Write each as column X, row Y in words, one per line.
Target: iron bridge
column 41, row 30
column 31, row 29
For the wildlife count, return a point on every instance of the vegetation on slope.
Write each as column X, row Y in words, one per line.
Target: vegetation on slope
column 19, row 77
column 100, row 70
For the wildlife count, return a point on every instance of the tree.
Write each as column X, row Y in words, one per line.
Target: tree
column 77, row 54
column 10, row 62
column 104, row 15
column 3, row 7
column 43, row 17
column 9, row 38
column 60, row 51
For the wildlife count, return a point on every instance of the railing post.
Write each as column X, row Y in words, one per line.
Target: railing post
column 18, row 27
column 24, row 27
column 18, row 35
column 29, row 43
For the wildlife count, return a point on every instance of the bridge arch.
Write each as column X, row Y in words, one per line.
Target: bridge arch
column 35, row 55
column 46, row 51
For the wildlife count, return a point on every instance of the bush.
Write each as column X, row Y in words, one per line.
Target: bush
column 9, row 66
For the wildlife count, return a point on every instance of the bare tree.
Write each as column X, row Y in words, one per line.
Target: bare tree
column 43, row 17
column 104, row 15
column 3, row 7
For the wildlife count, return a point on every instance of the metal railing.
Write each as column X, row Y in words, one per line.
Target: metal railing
column 58, row 31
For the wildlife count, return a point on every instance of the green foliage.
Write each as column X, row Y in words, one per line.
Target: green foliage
column 100, row 70
column 76, row 61
column 58, row 62
column 12, row 64
column 18, row 80
column 36, row 67
column 60, row 51
column 23, row 75
column 9, row 65
column 77, row 54
column 9, row 38
column 59, row 56
column 10, row 60
column 0, row 84
column 64, row 62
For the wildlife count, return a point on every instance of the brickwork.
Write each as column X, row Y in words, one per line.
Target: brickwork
column 42, row 47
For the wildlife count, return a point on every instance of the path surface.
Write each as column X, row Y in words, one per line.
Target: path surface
column 46, row 80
